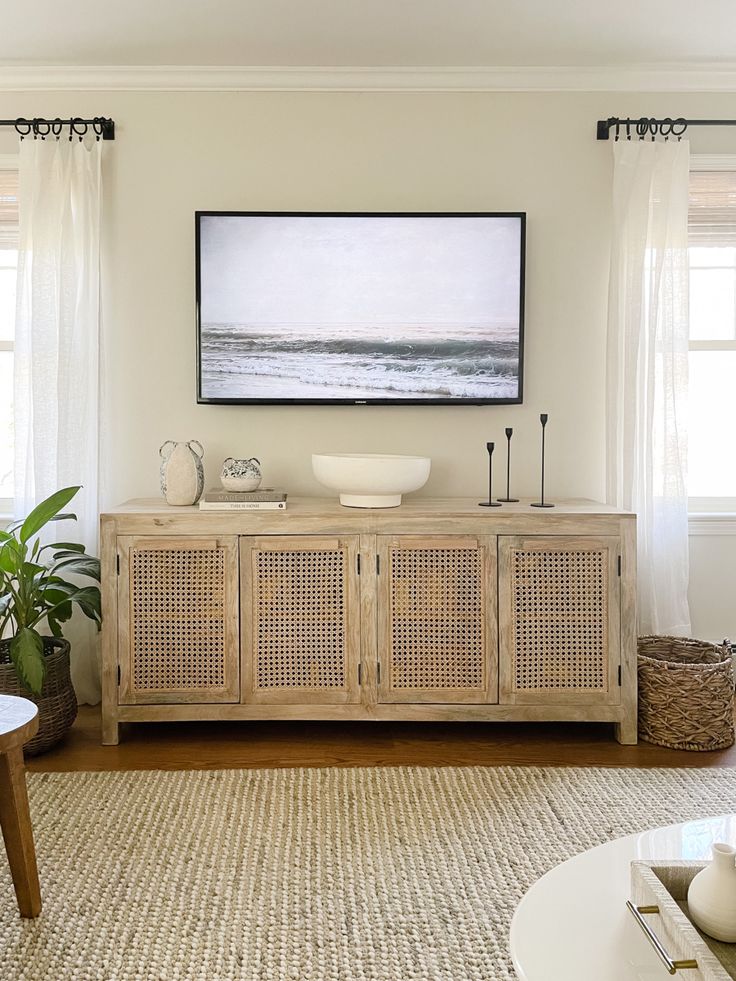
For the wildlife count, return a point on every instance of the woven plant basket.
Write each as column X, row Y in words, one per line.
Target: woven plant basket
column 57, row 703
column 685, row 693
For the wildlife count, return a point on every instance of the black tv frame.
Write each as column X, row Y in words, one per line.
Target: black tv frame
column 201, row 400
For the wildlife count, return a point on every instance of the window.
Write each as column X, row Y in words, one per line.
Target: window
column 8, row 268
column 712, row 252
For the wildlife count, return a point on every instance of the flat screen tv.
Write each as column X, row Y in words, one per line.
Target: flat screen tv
column 359, row 308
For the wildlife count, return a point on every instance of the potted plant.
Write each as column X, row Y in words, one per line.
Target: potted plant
column 35, row 593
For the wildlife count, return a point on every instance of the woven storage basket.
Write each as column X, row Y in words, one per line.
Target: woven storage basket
column 57, row 703
column 685, row 693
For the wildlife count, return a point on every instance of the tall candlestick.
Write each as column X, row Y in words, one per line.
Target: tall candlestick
column 490, row 503
column 508, row 500
column 541, row 504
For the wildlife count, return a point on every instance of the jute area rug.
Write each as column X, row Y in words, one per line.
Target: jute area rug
column 313, row 875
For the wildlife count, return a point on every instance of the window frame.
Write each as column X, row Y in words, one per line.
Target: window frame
column 712, row 505
column 8, row 161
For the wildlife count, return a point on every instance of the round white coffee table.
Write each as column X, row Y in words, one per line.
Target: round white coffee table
column 573, row 925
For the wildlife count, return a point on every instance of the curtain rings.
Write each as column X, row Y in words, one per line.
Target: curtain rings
column 78, row 127
column 102, row 127
column 682, row 124
column 39, row 130
column 19, row 124
column 661, row 127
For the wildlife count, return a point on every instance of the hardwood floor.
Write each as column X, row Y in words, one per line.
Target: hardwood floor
column 220, row 745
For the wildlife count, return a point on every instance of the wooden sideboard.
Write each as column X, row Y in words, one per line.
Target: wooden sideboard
column 435, row 610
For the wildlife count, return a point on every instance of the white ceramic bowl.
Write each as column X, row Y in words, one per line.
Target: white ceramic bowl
column 370, row 480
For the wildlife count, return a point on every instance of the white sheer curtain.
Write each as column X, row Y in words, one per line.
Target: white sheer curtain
column 57, row 351
column 647, row 371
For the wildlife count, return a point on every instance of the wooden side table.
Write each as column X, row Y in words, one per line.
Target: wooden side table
column 18, row 724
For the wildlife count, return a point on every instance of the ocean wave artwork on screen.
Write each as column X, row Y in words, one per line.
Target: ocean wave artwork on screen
column 359, row 308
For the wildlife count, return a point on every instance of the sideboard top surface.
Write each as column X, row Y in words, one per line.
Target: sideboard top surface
column 308, row 514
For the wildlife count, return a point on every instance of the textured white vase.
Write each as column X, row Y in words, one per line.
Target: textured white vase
column 711, row 897
column 182, row 474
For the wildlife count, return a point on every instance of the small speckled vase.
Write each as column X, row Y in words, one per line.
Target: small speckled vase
column 241, row 475
column 182, row 473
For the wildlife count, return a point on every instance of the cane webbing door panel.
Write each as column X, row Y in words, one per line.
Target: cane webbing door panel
column 178, row 620
column 437, row 619
column 300, row 619
column 559, row 619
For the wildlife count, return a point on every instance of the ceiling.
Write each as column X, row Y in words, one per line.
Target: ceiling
column 368, row 33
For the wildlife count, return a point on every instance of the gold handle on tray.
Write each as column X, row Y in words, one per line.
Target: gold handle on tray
column 672, row 966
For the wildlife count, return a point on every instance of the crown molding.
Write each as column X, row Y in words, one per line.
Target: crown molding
column 197, row 78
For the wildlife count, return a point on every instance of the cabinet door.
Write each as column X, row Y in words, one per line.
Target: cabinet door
column 178, row 629
column 300, row 619
column 559, row 619
column 437, row 619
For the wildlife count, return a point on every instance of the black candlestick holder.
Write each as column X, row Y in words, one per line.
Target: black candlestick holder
column 542, row 504
column 508, row 500
column 490, row 503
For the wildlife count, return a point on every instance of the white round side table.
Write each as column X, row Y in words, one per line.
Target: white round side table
column 18, row 724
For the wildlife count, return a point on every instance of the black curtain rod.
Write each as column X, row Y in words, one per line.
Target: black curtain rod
column 653, row 127
column 102, row 127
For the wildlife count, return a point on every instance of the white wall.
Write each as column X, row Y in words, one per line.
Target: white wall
column 178, row 152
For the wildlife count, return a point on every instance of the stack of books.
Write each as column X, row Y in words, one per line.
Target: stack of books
column 263, row 499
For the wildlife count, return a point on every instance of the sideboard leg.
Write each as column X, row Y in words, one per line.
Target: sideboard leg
column 627, row 731
column 110, row 731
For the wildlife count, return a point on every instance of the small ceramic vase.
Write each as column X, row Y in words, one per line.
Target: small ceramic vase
column 711, row 898
column 182, row 474
column 241, row 475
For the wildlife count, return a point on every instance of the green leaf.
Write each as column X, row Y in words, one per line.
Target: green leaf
column 63, row 612
column 66, row 516
column 54, row 626
column 11, row 557
column 45, row 511
column 56, row 582
column 26, row 653
column 65, row 546
column 60, row 602
column 89, row 602
column 81, row 565
column 30, row 569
